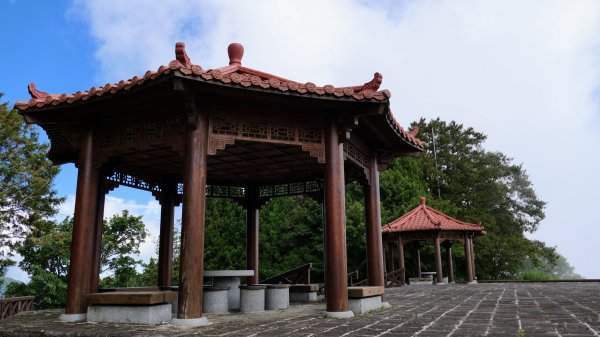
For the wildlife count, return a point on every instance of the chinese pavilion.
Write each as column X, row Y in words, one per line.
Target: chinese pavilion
column 184, row 133
column 426, row 224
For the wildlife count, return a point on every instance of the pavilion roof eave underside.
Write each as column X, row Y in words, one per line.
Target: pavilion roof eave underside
column 374, row 125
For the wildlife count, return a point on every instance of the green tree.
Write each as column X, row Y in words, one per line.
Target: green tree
column 123, row 234
column 27, row 195
column 46, row 257
column 485, row 187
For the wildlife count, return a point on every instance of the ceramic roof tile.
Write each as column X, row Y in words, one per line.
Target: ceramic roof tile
column 233, row 74
column 425, row 218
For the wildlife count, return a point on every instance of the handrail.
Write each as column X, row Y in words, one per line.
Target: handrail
column 395, row 278
column 296, row 275
column 14, row 305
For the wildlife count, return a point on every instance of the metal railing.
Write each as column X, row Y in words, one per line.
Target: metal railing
column 15, row 305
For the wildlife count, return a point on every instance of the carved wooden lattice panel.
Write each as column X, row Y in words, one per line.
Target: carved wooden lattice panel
column 139, row 134
column 224, row 130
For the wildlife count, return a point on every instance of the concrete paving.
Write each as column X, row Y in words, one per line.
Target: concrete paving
column 500, row 309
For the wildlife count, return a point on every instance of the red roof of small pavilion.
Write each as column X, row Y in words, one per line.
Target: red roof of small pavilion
column 425, row 218
column 232, row 75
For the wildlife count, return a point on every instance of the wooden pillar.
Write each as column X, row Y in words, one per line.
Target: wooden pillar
column 84, row 233
column 472, row 257
column 468, row 259
column 165, row 245
column 375, row 271
column 252, row 233
column 193, row 213
column 401, row 261
column 336, row 269
column 99, row 230
column 438, row 259
column 449, row 263
column 417, row 258
column 392, row 262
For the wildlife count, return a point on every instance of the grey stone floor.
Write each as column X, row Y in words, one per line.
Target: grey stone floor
column 500, row 309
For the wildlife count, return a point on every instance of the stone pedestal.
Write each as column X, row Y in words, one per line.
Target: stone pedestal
column 277, row 296
column 252, row 298
column 215, row 299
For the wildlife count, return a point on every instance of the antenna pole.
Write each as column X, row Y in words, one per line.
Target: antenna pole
column 436, row 162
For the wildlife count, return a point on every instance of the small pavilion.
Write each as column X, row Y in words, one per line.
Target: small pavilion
column 184, row 133
column 424, row 224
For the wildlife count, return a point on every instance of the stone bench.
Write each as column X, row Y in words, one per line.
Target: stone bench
column 215, row 299
column 137, row 307
column 303, row 292
column 365, row 299
column 277, row 296
column 252, row 298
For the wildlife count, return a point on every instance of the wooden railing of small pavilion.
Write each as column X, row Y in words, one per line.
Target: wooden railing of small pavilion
column 15, row 305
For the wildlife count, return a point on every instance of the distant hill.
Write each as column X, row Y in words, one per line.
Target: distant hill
column 4, row 281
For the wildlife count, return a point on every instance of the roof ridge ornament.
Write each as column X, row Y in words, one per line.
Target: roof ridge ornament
column 436, row 222
column 235, row 52
column 374, row 83
column 181, row 55
column 35, row 93
column 414, row 131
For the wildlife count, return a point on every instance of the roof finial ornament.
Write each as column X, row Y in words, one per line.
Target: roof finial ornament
column 423, row 200
column 236, row 52
column 181, row 55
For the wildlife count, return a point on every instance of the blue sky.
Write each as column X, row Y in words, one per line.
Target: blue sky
column 527, row 74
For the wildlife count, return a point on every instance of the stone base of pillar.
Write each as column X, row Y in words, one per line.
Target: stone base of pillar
column 190, row 322
column 338, row 314
column 472, row 282
column 73, row 317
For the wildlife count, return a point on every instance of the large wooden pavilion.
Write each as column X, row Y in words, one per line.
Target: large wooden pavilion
column 426, row 224
column 184, row 133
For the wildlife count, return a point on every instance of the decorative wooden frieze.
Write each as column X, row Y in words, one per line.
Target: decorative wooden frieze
column 315, row 151
column 140, row 134
column 133, row 181
column 225, row 130
column 219, row 142
column 289, row 189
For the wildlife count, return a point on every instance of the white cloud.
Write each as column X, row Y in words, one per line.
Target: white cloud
column 524, row 73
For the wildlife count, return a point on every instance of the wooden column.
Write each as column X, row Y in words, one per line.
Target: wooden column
column 392, row 262
column 401, row 261
column 449, row 263
column 192, row 230
column 85, row 219
column 468, row 259
column 252, row 233
column 375, row 271
column 472, row 257
column 165, row 245
column 99, row 230
column 438, row 259
column 336, row 285
column 417, row 258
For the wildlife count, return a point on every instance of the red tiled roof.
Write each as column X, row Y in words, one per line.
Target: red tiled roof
column 234, row 75
column 425, row 218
